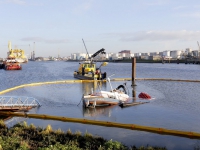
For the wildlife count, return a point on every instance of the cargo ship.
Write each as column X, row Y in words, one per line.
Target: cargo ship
column 18, row 54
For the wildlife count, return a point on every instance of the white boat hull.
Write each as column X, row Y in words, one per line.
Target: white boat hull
column 104, row 98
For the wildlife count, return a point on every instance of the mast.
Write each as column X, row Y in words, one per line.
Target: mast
column 86, row 49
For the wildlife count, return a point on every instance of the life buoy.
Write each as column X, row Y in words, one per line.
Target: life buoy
column 144, row 95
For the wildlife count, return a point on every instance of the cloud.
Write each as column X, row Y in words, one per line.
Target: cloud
column 191, row 15
column 21, row 2
column 49, row 41
column 161, row 36
column 180, row 7
column 189, row 7
column 196, row 6
column 156, row 2
column 83, row 7
column 18, row 2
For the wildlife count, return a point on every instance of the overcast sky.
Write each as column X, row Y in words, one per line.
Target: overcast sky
column 58, row 26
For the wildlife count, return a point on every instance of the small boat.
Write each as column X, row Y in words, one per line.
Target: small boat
column 106, row 98
column 11, row 64
column 88, row 70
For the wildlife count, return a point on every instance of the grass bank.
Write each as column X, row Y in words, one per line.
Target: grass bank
column 25, row 137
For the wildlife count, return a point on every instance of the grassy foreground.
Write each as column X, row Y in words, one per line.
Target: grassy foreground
column 24, row 137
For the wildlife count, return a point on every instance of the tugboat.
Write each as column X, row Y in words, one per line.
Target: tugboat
column 11, row 64
column 88, row 70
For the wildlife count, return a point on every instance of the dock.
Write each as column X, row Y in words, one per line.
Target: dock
column 131, row 104
column 17, row 103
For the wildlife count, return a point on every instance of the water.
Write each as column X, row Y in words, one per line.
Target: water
column 176, row 104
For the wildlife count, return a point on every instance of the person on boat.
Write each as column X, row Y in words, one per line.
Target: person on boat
column 83, row 70
column 92, row 73
column 98, row 72
column 104, row 75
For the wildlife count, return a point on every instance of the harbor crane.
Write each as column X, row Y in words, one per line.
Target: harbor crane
column 199, row 50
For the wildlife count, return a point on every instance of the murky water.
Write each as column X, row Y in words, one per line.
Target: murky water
column 176, row 104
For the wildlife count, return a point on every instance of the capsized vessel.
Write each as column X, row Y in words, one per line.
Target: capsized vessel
column 106, row 98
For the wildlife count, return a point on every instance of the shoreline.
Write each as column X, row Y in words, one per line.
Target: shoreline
column 23, row 136
column 137, row 61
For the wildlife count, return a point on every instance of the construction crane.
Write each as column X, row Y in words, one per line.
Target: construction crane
column 86, row 50
column 101, row 51
column 17, row 53
column 198, row 53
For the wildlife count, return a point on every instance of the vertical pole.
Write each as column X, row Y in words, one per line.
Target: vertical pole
column 133, row 69
column 133, row 77
column 134, row 94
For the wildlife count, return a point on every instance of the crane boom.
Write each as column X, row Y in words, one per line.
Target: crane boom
column 85, row 48
column 198, row 45
column 95, row 54
column 98, row 52
column 199, row 50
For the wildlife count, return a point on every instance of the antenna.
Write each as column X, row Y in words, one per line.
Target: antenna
column 85, row 48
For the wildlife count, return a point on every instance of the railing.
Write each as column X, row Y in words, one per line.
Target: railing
column 9, row 102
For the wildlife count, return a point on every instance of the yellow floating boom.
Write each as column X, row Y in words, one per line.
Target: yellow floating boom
column 80, row 81
column 187, row 134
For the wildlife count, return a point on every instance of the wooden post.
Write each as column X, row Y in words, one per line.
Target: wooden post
column 133, row 71
column 134, row 94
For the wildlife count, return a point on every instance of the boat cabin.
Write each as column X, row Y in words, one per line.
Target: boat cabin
column 88, row 71
column 87, row 68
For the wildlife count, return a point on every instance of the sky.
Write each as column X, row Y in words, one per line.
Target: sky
column 57, row 27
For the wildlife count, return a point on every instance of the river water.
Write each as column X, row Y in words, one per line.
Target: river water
column 175, row 104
